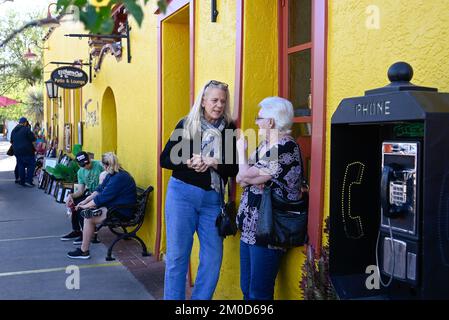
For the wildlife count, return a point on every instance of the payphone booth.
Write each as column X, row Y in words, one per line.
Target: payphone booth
column 389, row 192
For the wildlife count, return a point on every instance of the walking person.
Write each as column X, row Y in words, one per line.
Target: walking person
column 259, row 262
column 207, row 160
column 22, row 139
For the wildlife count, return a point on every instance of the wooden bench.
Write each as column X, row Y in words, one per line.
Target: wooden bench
column 113, row 222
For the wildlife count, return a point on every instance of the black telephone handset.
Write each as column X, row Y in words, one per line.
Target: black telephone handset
column 389, row 172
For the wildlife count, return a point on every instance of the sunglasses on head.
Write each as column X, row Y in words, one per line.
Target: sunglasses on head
column 216, row 83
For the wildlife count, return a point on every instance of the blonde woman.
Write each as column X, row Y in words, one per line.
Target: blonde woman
column 117, row 189
column 201, row 153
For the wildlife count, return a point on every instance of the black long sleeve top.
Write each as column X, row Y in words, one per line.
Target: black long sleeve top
column 185, row 149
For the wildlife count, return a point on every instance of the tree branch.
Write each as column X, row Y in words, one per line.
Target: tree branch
column 11, row 85
column 31, row 24
column 6, row 65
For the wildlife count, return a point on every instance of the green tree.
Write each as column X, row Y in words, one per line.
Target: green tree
column 35, row 104
column 96, row 14
column 17, row 74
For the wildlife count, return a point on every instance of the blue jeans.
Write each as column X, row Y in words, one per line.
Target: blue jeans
column 190, row 209
column 258, row 270
column 26, row 163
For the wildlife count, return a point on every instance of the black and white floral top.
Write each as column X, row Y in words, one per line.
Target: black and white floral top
column 286, row 177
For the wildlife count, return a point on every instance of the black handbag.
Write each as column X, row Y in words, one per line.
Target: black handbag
column 10, row 151
column 264, row 231
column 225, row 222
column 289, row 221
column 283, row 223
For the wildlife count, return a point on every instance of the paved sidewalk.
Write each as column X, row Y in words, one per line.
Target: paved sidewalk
column 33, row 260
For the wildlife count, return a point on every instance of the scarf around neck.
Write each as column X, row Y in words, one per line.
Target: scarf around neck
column 211, row 146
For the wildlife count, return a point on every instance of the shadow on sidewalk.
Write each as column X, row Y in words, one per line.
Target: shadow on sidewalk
column 146, row 270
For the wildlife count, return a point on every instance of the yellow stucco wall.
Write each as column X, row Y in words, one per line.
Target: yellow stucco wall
column 109, row 122
column 358, row 58
column 414, row 31
column 175, row 85
column 134, row 88
column 215, row 60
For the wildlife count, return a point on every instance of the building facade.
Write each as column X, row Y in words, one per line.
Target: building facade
column 313, row 52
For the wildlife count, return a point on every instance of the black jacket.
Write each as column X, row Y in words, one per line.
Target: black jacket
column 22, row 141
column 227, row 168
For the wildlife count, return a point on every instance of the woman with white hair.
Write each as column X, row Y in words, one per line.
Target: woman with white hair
column 202, row 156
column 117, row 189
column 276, row 161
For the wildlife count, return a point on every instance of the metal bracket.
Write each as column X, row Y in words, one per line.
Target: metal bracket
column 108, row 36
column 214, row 11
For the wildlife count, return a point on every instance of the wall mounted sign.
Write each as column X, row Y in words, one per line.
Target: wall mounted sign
column 69, row 77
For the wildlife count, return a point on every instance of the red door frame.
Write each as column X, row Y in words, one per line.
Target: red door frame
column 318, row 118
column 173, row 7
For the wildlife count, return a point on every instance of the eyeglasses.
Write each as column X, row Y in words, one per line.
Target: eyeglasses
column 257, row 119
column 105, row 164
column 216, row 83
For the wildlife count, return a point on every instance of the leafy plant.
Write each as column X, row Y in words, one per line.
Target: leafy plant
column 32, row 74
column 65, row 173
column 316, row 284
column 35, row 105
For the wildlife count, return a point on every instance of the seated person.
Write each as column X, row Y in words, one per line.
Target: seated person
column 117, row 189
column 88, row 181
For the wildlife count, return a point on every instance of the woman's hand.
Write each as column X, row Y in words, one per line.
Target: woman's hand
column 201, row 164
column 240, row 181
column 197, row 163
column 87, row 205
column 211, row 162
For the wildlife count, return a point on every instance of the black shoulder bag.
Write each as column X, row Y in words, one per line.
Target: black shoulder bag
column 10, row 151
column 225, row 222
column 283, row 223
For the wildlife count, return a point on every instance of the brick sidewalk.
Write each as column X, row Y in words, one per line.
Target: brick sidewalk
column 146, row 270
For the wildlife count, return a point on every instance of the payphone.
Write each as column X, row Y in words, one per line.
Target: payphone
column 389, row 191
column 398, row 191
